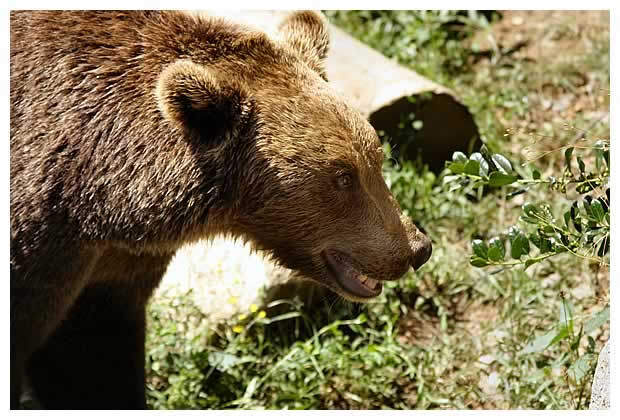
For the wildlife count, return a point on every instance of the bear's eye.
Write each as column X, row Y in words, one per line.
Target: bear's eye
column 345, row 181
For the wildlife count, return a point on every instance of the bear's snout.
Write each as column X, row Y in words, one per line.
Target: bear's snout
column 422, row 248
column 418, row 245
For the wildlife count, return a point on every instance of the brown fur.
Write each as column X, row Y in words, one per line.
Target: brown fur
column 133, row 133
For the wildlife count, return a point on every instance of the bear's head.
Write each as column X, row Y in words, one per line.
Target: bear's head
column 303, row 178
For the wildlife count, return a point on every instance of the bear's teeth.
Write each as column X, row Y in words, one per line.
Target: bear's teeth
column 368, row 281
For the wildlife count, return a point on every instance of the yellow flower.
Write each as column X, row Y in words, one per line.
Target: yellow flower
column 232, row 300
column 253, row 307
column 242, row 317
column 262, row 314
column 238, row 329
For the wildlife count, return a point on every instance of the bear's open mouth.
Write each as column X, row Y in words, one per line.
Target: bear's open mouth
column 350, row 278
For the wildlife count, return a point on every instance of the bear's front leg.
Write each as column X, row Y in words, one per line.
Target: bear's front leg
column 95, row 360
column 42, row 294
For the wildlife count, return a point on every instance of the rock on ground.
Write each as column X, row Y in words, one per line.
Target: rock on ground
column 600, row 387
column 225, row 277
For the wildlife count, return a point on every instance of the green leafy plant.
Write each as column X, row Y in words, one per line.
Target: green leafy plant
column 583, row 230
column 581, row 360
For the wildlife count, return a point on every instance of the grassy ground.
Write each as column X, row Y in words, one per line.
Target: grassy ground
column 451, row 335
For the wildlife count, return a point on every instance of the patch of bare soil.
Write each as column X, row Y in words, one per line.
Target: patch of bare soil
column 554, row 47
column 418, row 329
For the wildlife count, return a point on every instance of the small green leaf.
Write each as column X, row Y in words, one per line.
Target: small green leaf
column 574, row 215
column 563, row 333
column 531, row 213
column 497, row 250
column 456, row 167
column 480, row 248
column 603, row 247
column 606, row 157
column 581, row 367
column 598, row 214
column 497, row 179
column 597, row 320
column 515, row 249
column 502, row 163
column 249, row 390
column 513, row 232
column 546, row 245
column 494, row 254
column 472, row 167
column 484, row 165
column 519, row 245
column 567, row 311
column 599, row 152
column 591, row 344
column 535, row 174
column 477, row 261
column 582, row 165
column 459, row 157
column 586, row 205
column 567, row 219
column 535, row 239
column 530, row 208
column 541, row 343
column 568, row 154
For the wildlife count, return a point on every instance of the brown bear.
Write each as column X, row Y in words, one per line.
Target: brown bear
column 135, row 132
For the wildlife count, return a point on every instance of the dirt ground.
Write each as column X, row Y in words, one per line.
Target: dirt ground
column 553, row 39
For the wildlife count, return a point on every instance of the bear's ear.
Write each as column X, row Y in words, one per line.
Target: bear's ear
column 192, row 98
column 307, row 33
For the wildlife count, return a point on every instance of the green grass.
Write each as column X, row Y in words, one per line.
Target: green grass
column 451, row 335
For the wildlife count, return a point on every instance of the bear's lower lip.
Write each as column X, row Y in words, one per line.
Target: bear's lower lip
column 349, row 278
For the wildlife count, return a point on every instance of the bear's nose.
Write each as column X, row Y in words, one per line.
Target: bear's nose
column 422, row 251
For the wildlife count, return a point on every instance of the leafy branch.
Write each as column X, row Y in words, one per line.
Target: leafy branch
column 584, row 228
